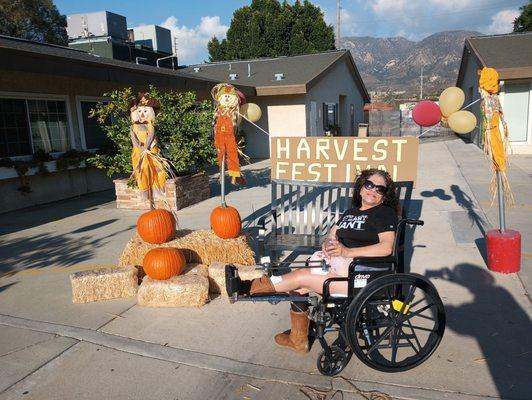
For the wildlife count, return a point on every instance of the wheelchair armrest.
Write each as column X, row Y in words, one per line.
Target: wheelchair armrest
column 371, row 260
column 326, row 293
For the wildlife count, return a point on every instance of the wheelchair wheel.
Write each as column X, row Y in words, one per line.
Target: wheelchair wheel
column 396, row 322
column 333, row 364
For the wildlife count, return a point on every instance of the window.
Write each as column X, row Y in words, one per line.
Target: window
column 95, row 137
column 14, row 129
column 30, row 125
column 48, row 121
column 330, row 115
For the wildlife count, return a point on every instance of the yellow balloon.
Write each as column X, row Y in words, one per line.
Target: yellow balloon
column 462, row 122
column 451, row 100
column 251, row 111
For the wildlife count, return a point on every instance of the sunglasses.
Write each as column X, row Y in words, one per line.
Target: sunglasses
column 377, row 188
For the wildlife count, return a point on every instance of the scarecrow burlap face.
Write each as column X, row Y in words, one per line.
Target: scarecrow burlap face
column 143, row 108
column 226, row 97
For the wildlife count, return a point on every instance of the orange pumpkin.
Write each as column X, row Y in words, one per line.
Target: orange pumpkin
column 163, row 263
column 156, row 226
column 226, row 222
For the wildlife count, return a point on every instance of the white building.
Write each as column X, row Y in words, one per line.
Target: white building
column 511, row 56
column 303, row 95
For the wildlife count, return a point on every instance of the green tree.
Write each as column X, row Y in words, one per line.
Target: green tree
column 268, row 28
column 523, row 23
column 182, row 128
column 37, row 20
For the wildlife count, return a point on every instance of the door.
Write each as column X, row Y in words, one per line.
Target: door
column 516, row 101
column 313, row 118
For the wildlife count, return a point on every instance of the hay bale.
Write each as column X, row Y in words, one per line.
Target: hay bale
column 197, row 246
column 217, row 275
column 188, row 290
column 103, row 284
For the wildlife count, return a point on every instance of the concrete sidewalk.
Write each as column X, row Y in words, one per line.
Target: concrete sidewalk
column 51, row 348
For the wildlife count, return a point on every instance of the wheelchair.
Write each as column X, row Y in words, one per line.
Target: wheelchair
column 391, row 320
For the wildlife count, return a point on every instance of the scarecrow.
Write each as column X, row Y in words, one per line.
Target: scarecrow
column 495, row 142
column 148, row 165
column 226, row 121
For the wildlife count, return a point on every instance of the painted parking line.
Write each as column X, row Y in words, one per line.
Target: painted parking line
column 70, row 268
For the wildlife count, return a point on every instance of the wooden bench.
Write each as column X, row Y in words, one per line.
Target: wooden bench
column 302, row 213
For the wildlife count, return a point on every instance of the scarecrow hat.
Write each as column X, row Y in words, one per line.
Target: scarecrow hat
column 144, row 100
column 223, row 88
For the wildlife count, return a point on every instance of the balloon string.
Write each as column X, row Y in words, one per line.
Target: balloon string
column 470, row 104
column 251, row 122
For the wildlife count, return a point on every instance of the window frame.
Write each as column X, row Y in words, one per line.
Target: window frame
column 79, row 112
column 42, row 96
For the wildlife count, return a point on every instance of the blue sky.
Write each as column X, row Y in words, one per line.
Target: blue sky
column 195, row 22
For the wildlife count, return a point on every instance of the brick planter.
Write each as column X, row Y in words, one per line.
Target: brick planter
column 180, row 193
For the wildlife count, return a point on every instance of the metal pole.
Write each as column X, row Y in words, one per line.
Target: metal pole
column 222, row 180
column 339, row 24
column 500, row 193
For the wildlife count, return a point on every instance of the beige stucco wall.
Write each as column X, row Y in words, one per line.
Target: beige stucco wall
column 339, row 81
column 281, row 116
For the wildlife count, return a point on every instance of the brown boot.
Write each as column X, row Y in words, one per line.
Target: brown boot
column 297, row 339
column 262, row 285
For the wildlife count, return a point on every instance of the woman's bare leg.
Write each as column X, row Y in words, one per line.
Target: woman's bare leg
column 301, row 280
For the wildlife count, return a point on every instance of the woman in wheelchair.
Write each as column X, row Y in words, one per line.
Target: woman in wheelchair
column 365, row 230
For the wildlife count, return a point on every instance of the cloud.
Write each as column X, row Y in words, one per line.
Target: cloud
column 502, row 22
column 192, row 42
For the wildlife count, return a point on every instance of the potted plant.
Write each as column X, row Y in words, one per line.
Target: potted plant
column 183, row 134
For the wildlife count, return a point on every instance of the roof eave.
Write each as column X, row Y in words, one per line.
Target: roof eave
column 281, row 90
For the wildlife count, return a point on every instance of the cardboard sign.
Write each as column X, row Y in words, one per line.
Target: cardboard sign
column 340, row 159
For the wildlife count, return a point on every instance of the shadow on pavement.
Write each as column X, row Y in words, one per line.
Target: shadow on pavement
column 498, row 324
column 7, row 285
column 467, row 204
column 48, row 249
column 254, row 178
column 25, row 218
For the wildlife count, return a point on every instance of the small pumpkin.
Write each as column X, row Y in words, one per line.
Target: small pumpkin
column 226, row 222
column 156, row 226
column 163, row 262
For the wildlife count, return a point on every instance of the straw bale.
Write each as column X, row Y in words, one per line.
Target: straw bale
column 103, row 284
column 188, row 290
column 217, row 275
column 199, row 246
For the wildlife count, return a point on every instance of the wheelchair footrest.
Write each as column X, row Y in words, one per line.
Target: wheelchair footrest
column 272, row 298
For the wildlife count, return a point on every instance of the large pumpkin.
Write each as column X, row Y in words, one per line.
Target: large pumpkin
column 163, row 263
column 156, row 226
column 226, row 222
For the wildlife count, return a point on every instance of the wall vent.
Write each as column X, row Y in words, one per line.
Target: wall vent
column 279, row 76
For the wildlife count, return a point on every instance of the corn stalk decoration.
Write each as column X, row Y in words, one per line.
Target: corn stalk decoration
column 495, row 142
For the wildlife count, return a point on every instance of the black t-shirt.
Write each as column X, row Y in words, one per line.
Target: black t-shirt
column 361, row 228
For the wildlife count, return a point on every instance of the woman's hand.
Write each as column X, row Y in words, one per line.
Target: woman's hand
column 337, row 249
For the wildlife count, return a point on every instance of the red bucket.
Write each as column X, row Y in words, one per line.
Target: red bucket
column 504, row 251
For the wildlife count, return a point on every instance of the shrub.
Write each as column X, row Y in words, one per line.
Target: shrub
column 182, row 127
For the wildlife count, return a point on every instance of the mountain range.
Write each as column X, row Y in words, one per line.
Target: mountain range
column 391, row 67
